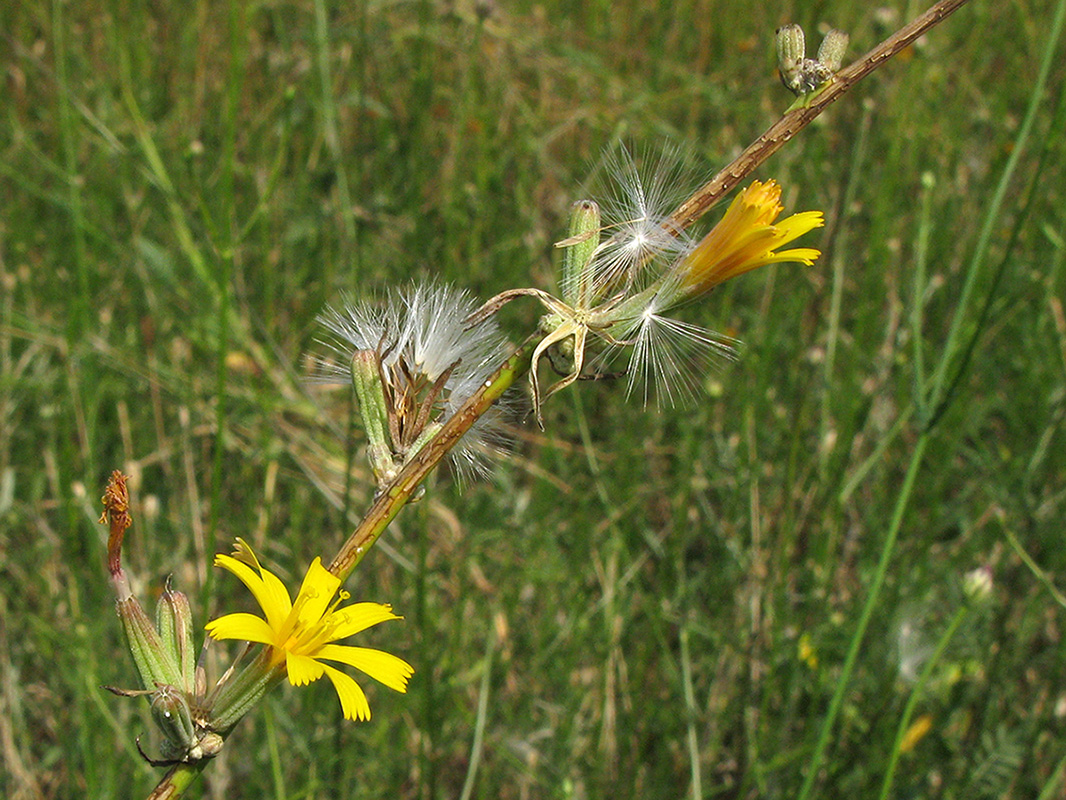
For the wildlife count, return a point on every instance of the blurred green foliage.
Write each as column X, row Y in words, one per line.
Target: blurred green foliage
column 651, row 599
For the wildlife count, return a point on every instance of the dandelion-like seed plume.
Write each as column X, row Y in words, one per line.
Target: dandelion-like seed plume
column 413, row 362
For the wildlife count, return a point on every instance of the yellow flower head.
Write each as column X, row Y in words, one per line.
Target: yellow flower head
column 302, row 633
column 745, row 238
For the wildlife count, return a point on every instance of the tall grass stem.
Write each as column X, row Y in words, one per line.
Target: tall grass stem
column 916, row 695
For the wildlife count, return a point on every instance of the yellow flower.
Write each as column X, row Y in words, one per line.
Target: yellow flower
column 806, row 652
column 302, row 633
column 745, row 238
column 915, row 733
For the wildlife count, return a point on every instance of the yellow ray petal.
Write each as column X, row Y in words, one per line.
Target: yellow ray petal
column 247, row 627
column 353, row 700
column 800, row 255
column 381, row 666
column 280, row 603
column 317, row 590
column 302, row 669
column 279, row 595
column 358, row 617
column 269, row 592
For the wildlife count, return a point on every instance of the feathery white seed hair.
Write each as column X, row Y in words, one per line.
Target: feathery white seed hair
column 424, row 325
column 669, row 354
column 638, row 201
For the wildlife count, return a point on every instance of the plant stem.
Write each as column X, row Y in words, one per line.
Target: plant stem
column 177, row 780
column 393, row 497
column 915, row 696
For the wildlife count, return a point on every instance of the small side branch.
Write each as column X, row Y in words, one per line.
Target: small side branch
column 797, row 119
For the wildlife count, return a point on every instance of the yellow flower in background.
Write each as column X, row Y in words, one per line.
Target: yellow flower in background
column 301, row 633
column 745, row 238
column 806, row 652
column 915, row 733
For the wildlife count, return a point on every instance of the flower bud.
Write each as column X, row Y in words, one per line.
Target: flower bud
column 791, row 50
column 802, row 75
column 174, row 620
column 367, row 379
column 155, row 662
column 831, row 53
column 170, row 711
column 583, row 237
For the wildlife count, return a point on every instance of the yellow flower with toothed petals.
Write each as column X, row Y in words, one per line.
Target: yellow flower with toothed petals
column 746, row 238
column 302, row 633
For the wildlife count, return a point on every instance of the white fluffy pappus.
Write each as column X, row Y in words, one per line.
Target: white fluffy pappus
column 639, row 246
column 637, row 202
column 669, row 354
column 418, row 334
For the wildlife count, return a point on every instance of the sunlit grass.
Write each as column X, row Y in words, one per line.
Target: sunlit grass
column 639, row 602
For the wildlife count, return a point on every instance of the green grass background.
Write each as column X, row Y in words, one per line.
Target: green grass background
column 639, row 603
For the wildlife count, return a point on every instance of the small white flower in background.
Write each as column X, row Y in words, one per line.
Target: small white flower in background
column 413, row 364
column 977, row 584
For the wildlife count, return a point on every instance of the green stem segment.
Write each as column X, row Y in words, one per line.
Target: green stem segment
column 177, row 780
column 916, row 694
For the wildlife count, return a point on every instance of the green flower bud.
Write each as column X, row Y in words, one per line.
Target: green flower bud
column 791, row 50
column 170, row 711
column 802, row 75
column 185, row 740
column 367, row 379
column 174, row 620
column 831, row 53
column 155, row 662
column 583, row 237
